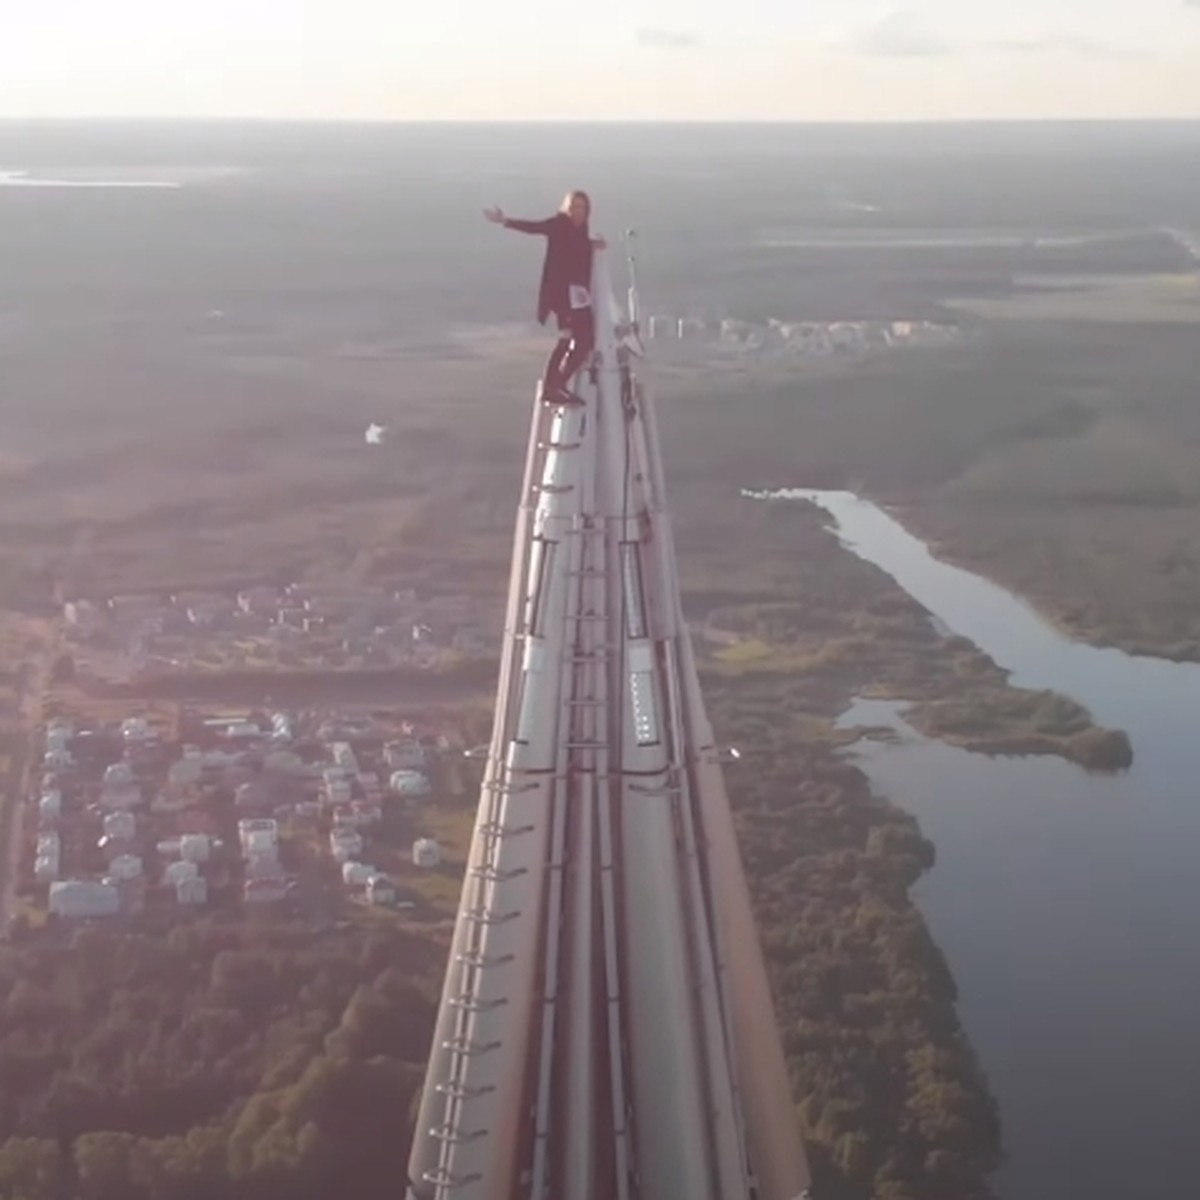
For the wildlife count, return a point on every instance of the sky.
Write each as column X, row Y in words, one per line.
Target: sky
column 621, row 59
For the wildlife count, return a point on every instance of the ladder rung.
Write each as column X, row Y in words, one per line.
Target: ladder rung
column 509, row 789
column 444, row 1179
column 482, row 961
column 464, row 1093
column 559, row 445
column 491, row 875
column 446, row 1134
column 467, row 1004
column 554, row 489
column 586, row 745
column 671, row 789
column 586, row 617
column 495, row 829
column 467, row 1047
column 486, row 918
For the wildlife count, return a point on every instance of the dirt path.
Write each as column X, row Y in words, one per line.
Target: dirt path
column 34, row 682
column 31, row 691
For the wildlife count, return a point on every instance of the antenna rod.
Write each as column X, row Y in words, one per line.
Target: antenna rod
column 630, row 237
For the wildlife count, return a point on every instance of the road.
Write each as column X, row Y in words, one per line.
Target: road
column 32, row 686
column 31, row 689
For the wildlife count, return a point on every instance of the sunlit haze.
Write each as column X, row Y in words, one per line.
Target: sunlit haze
column 627, row 59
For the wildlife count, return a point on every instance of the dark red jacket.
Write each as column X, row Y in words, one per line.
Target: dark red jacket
column 568, row 260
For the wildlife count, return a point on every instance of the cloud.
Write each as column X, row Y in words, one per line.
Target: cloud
column 667, row 39
column 900, row 34
column 903, row 34
column 1063, row 42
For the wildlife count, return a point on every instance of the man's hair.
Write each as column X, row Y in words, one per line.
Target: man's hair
column 571, row 197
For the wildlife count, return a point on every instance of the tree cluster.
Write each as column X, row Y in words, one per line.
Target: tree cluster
column 892, row 1101
column 225, row 1062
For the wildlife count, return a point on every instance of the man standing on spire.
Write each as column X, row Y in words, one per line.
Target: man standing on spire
column 566, row 289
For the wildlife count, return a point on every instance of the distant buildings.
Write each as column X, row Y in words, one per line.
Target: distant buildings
column 336, row 623
column 808, row 339
column 131, row 818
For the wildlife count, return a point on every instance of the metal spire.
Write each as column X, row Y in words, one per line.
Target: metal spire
column 606, row 1029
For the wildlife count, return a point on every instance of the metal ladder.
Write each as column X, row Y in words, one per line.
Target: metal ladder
column 471, row 961
column 581, row 757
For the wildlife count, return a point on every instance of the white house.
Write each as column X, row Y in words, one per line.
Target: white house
column 189, row 769
column 80, row 898
column 120, row 825
column 345, row 844
column 344, row 756
column 127, row 866
column 410, row 783
column 136, row 729
column 191, row 891
column 426, row 852
column 264, row 866
column 259, row 844
column 178, row 872
column 118, row 774
column 381, row 890
column 195, row 847
column 356, row 874
column 257, row 835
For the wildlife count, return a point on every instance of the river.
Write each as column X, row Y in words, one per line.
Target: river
column 1067, row 904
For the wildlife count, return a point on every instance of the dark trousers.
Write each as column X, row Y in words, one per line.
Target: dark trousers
column 576, row 341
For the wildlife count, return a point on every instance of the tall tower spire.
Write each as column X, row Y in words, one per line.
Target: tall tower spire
column 606, row 1029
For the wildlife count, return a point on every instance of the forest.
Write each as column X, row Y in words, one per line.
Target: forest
column 892, row 1102
column 223, row 1062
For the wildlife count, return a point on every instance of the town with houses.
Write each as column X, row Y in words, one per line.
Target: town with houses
column 806, row 339
column 277, row 811
column 305, row 812
column 306, row 625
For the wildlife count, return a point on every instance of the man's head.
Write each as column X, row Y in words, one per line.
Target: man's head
column 578, row 206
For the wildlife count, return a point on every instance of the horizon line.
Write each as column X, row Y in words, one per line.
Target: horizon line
column 225, row 119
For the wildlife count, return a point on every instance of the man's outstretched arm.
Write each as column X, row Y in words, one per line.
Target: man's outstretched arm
column 497, row 217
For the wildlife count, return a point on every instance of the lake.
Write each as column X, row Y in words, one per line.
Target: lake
column 1067, row 904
